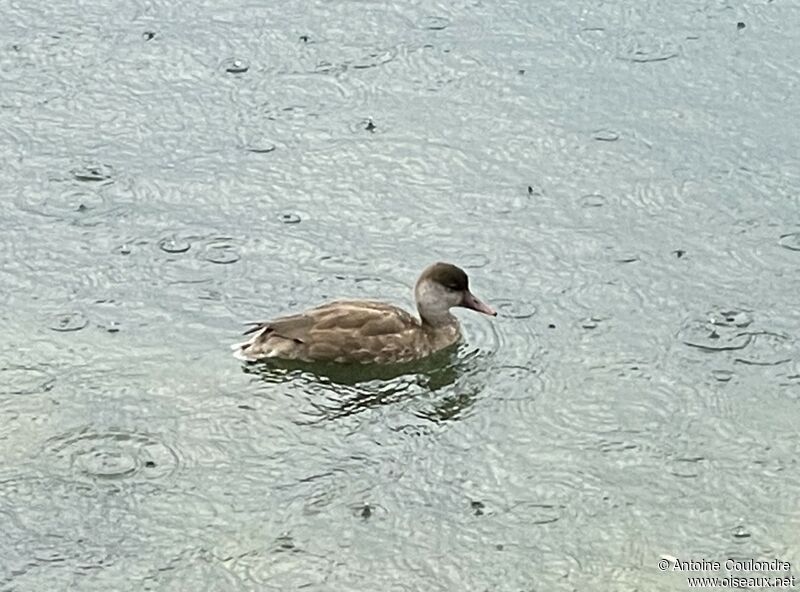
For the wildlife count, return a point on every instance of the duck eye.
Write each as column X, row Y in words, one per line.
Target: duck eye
column 452, row 287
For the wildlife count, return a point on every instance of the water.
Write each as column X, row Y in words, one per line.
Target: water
column 620, row 181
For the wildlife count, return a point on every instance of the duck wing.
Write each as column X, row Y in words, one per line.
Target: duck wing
column 341, row 331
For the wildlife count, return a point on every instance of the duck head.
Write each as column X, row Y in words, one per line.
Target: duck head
column 442, row 286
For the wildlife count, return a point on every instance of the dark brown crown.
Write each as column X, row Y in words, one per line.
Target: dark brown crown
column 448, row 275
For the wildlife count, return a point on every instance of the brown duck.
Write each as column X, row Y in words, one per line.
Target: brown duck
column 368, row 331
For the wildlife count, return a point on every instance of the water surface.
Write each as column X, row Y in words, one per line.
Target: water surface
column 620, row 181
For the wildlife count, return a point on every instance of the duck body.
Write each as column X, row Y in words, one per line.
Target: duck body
column 347, row 331
column 368, row 331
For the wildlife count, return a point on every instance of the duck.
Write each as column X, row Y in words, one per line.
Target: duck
column 369, row 331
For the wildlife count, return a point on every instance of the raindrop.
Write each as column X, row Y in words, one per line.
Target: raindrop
column 593, row 200
column 174, row 244
column 374, row 58
column 718, row 332
column 514, row 309
column 533, row 190
column 221, row 253
column 790, row 241
column 236, row 66
column 473, row 260
column 605, row 135
column 731, row 318
column 289, row 218
column 740, row 25
column 114, row 455
column 740, row 533
column 107, row 464
column 686, row 467
column 285, row 542
column 70, row 321
column 369, row 125
column 536, row 513
column 148, row 35
column 261, row 147
column 768, row 349
column 71, row 204
column 643, row 48
column 93, row 173
column 434, row 23
column 722, row 375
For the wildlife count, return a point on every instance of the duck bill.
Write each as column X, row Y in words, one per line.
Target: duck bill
column 471, row 301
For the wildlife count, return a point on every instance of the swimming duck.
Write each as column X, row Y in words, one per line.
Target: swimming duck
column 369, row 331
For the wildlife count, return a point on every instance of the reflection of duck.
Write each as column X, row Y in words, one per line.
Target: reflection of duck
column 367, row 331
column 334, row 391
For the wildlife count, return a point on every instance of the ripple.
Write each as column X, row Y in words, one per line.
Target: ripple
column 93, row 173
column 723, row 375
column 366, row 511
column 113, row 456
column 337, row 392
column 235, row 66
column 720, row 330
column 535, row 513
column 55, row 521
column 594, row 200
column 343, row 263
column 174, row 244
column 373, row 58
column 282, row 115
column 473, row 260
column 283, row 566
column 686, row 467
column 184, row 271
column 508, row 340
column 790, row 241
column 645, row 48
column 434, row 23
column 514, row 309
column 605, row 135
column 196, row 569
column 69, row 321
column 435, row 68
column 598, row 298
column 524, row 382
column 80, row 206
column 289, row 218
column 548, row 497
column 259, row 146
column 189, row 253
column 611, row 408
column 768, row 349
column 220, row 252
column 24, row 380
